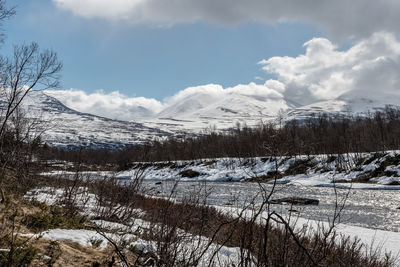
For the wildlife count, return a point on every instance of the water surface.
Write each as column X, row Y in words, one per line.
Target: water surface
column 377, row 209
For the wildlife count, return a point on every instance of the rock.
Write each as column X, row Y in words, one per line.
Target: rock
column 158, row 183
column 295, row 201
column 189, row 173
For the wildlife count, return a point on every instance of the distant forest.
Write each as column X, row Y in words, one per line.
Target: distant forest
column 318, row 134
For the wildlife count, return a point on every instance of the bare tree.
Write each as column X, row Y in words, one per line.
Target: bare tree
column 28, row 68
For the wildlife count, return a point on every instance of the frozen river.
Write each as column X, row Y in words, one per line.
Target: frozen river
column 376, row 209
column 368, row 208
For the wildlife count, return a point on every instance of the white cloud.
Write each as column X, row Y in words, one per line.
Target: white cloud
column 368, row 69
column 117, row 106
column 112, row 105
column 268, row 90
column 213, row 92
column 341, row 18
column 213, row 100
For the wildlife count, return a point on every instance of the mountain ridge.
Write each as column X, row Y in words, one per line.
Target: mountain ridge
column 69, row 128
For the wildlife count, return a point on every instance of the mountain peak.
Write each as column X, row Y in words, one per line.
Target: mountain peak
column 66, row 127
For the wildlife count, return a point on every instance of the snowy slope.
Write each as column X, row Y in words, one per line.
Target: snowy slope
column 230, row 105
column 319, row 170
column 341, row 105
column 193, row 113
column 65, row 127
column 200, row 111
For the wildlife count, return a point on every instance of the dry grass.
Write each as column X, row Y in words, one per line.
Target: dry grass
column 66, row 253
column 33, row 251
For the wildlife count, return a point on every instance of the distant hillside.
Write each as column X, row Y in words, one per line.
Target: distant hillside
column 65, row 127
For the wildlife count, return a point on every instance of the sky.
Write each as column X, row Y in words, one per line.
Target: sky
column 150, row 60
column 121, row 54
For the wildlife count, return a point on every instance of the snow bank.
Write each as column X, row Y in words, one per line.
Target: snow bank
column 190, row 245
column 381, row 170
column 81, row 237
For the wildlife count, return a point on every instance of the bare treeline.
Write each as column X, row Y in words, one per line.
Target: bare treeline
column 318, row 134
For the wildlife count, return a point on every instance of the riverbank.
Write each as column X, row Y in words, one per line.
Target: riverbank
column 357, row 170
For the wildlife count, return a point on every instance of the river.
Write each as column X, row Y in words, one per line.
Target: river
column 376, row 209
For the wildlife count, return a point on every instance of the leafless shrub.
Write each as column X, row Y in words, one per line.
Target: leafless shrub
column 28, row 68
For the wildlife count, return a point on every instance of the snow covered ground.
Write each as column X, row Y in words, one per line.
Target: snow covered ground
column 225, row 256
column 83, row 174
column 383, row 241
column 381, row 169
column 87, row 202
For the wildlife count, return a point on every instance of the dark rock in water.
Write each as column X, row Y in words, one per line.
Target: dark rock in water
column 158, row 183
column 295, row 201
column 127, row 177
column 292, row 210
column 189, row 173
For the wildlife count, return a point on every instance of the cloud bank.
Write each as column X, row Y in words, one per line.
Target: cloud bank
column 112, row 105
column 115, row 105
column 340, row 18
column 369, row 69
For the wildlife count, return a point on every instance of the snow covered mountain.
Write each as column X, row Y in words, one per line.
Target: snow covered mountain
column 195, row 115
column 197, row 112
column 65, row 127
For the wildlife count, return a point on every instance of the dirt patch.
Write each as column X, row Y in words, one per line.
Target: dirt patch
column 66, row 253
column 394, row 183
column 300, row 166
column 270, row 176
column 209, row 162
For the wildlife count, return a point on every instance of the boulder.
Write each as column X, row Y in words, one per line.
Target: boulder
column 295, row 201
